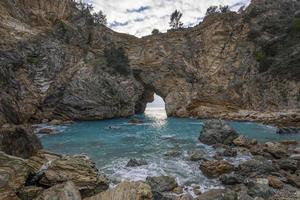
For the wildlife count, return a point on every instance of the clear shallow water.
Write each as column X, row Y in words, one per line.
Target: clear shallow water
column 111, row 143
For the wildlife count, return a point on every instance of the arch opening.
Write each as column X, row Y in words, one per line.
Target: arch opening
column 156, row 108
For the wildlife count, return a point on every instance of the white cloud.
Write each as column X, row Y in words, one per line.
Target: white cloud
column 141, row 17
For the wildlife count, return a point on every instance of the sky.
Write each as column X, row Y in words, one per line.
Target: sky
column 140, row 17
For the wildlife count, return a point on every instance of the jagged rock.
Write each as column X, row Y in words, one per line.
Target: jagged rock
column 13, row 175
column 19, row 141
column 64, row 191
column 217, row 131
column 215, row 168
column 275, row 182
column 243, row 141
column 218, row 194
column 29, row 192
column 78, row 169
column 287, row 130
column 261, row 190
column 255, row 168
column 161, row 183
column 135, row 163
column 126, row 191
column 197, row 155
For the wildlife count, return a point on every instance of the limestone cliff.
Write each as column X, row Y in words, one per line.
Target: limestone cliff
column 237, row 66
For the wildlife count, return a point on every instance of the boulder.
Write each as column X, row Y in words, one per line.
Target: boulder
column 215, row 168
column 126, row 191
column 231, row 179
column 56, row 122
column 276, row 149
column 256, row 168
column 218, row 194
column 243, row 141
column 274, row 182
column 197, row 155
column 293, row 179
column 13, row 174
column 288, row 164
column 135, row 163
column 78, row 169
column 162, row 183
column 217, row 131
column 295, row 157
column 261, row 190
column 64, row 191
column 46, row 131
column 19, row 141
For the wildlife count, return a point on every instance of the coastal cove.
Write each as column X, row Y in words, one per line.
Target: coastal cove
column 166, row 144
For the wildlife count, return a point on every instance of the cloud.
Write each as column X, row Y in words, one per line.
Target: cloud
column 139, row 18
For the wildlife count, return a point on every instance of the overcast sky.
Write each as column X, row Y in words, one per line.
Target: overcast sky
column 140, row 17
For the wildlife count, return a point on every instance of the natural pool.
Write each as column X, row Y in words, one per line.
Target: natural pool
column 111, row 143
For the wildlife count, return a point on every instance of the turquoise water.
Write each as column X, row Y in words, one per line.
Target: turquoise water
column 110, row 143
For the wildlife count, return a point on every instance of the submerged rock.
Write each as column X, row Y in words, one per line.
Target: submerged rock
column 161, row 183
column 19, row 141
column 80, row 170
column 126, row 191
column 46, row 131
column 64, row 191
column 287, row 130
column 136, row 121
column 217, row 131
column 215, row 168
column 135, row 163
column 197, row 155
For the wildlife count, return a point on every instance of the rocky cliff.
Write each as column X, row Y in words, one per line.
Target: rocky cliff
column 54, row 64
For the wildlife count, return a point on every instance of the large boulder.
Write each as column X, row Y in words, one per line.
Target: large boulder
column 78, row 169
column 256, row 168
column 13, row 175
column 19, row 141
column 215, row 168
column 64, row 191
column 217, row 131
column 126, row 191
column 161, row 183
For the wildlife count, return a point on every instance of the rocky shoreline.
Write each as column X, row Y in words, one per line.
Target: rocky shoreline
column 32, row 173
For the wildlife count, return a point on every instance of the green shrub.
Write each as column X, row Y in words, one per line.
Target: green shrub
column 117, row 59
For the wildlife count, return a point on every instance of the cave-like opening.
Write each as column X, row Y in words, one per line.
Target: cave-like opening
column 156, row 108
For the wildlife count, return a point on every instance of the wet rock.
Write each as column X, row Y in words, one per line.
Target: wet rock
column 135, row 163
column 173, row 153
column 218, row 194
column 289, row 142
column 64, row 191
column 287, row 130
column 226, row 151
column 277, row 150
column 231, row 179
column 46, row 131
column 126, row 191
column 162, row 183
column 274, row 182
column 56, row 122
column 135, row 121
column 288, row 164
column 19, row 141
column 78, row 169
column 215, row 168
column 243, row 141
column 197, row 155
column 13, row 174
column 29, row 192
column 256, row 168
column 217, row 131
column 261, row 190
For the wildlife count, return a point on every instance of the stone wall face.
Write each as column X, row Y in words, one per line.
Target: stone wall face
column 231, row 65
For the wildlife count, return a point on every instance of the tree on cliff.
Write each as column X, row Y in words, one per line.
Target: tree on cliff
column 211, row 10
column 175, row 22
column 100, row 18
column 155, row 31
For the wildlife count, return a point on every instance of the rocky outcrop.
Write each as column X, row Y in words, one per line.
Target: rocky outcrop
column 232, row 65
column 19, row 141
column 215, row 168
column 126, row 190
column 78, row 169
column 64, row 191
column 217, row 132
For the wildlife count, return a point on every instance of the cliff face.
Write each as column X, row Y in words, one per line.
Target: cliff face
column 231, row 65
